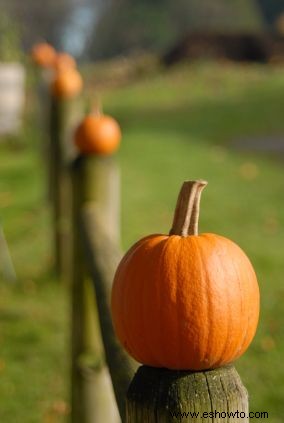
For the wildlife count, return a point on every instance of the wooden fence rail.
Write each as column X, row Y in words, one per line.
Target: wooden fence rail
column 103, row 257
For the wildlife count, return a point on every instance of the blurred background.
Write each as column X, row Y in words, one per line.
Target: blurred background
column 198, row 89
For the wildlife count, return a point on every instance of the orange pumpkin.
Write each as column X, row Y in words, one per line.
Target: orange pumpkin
column 67, row 83
column 44, row 55
column 63, row 61
column 98, row 134
column 185, row 301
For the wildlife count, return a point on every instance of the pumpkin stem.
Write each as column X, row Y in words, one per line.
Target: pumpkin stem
column 186, row 215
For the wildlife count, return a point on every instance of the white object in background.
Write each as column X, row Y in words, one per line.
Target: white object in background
column 12, row 97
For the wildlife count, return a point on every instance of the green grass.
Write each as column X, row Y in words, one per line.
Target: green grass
column 177, row 125
column 33, row 312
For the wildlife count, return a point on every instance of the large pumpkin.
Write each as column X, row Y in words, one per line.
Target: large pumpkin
column 44, row 55
column 67, row 83
column 98, row 134
column 183, row 300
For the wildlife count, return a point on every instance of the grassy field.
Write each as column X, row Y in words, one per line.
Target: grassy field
column 33, row 312
column 177, row 125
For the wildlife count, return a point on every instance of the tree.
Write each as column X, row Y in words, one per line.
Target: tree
column 128, row 25
column 41, row 20
column 271, row 10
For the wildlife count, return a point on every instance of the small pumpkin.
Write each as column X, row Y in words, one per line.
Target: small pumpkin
column 98, row 134
column 64, row 61
column 44, row 55
column 185, row 301
column 67, row 83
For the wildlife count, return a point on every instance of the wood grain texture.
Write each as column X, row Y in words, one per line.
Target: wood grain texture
column 161, row 396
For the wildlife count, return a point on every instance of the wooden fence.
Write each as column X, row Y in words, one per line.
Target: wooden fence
column 85, row 197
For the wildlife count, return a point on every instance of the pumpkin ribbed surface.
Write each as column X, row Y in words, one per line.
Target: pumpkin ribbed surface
column 185, row 302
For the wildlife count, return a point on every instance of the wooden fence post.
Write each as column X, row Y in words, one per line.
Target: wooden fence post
column 43, row 78
column 92, row 394
column 103, row 256
column 163, row 396
column 102, row 187
column 64, row 115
